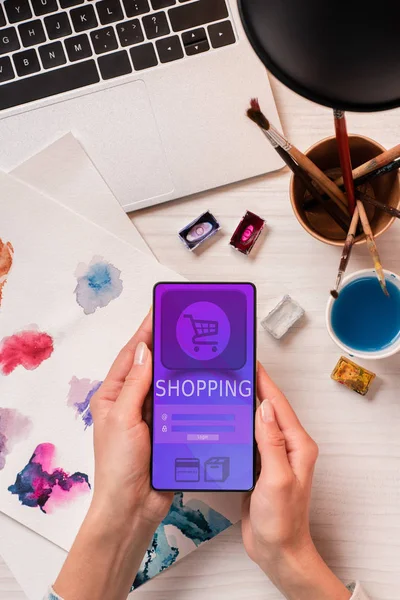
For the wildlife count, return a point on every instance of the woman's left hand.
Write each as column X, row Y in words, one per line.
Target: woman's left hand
column 122, row 489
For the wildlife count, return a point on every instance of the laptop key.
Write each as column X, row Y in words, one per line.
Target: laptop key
column 109, row 11
column 157, row 4
column 9, row 41
column 196, row 35
column 114, row 65
column 221, row 34
column 32, row 33
column 2, row 17
column 136, row 7
column 156, row 25
column 78, row 47
column 43, row 7
column 58, row 26
column 130, row 33
column 6, row 69
column 169, row 49
column 83, row 18
column 197, row 48
column 143, row 57
column 49, row 83
column 17, row 10
column 197, row 13
column 68, row 3
column 52, row 55
column 104, row 40
column 26, row 62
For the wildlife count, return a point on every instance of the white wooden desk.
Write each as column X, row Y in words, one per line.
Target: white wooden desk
column 356, row 501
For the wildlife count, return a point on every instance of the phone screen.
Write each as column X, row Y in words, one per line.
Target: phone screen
column 203, row 386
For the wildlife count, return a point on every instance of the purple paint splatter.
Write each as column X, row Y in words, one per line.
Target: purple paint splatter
column 41, row 485
column 13, row 428
column 99, row 282
column 80, row 395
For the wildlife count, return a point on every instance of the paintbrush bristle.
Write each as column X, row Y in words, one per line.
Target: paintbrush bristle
column 335, row 294
column 254, row 113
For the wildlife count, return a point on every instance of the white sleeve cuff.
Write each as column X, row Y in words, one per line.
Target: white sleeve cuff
column 358, row 592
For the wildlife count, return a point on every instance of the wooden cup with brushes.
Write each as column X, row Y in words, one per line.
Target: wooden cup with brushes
column 321, row 188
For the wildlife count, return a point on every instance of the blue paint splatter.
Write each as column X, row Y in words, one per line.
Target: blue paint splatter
column 98, row 284
column 80, row 394
column 196, row 520
column 38, row 484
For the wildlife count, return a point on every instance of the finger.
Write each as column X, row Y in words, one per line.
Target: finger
column 124, row 361
column 275, row 467
column 285, row 414
column 302, row 450
column 136, row 386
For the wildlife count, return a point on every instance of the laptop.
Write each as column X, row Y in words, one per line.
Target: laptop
column 155, row 90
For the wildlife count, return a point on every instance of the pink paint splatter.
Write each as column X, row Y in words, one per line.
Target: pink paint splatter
column 27, row 349
column 14, row 427
column 41, row 485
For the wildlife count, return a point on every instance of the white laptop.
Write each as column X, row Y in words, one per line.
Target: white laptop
column 155, row 90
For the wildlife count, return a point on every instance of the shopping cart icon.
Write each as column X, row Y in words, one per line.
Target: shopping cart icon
column 203, row 329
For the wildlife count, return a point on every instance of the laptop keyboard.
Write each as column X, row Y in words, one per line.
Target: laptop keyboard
column 48, row 47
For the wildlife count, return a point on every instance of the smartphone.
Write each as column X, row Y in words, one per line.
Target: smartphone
column 204, row 347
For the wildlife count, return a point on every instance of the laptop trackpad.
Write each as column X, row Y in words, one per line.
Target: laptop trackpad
column 116, row 127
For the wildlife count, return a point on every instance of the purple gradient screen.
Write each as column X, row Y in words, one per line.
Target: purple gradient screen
column 203, row 397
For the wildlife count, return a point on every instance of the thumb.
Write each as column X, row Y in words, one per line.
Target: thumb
column 129, row 403
column 275, row 465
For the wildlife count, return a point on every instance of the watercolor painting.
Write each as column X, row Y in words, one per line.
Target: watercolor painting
column 195, row 520
column 98, row 284
column 41, row 485
column 79, row 396
column 14, row 427
column 27, row 349
column 6, row 260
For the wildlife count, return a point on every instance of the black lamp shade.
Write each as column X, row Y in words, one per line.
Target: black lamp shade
column 343, row 54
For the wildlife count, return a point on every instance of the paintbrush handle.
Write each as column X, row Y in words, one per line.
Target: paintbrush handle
column 379, row 161
column 348, row 245
column 331, row 209
column 371, row 244
column 323, row 180
column 342, row 140
column 392, row 166
column 390, row 210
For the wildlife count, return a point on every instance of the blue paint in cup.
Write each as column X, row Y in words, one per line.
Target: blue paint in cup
column 364, row 319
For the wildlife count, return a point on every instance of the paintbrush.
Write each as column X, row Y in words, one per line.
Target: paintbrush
column 371, row 245
column 375, row 163
column 390, row 210
column 328, row 186
column 347, row 248
column 342, row 140
column 333, row 211
column 345, row 163
column 392, row 166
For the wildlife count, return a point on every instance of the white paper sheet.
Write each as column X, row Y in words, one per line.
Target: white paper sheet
column 65, row 173
column 34, row 560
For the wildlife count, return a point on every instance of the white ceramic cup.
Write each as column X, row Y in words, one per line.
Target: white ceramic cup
column 389, row 350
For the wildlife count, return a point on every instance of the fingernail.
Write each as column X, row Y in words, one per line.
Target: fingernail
column 267, row 412
column 140, row 354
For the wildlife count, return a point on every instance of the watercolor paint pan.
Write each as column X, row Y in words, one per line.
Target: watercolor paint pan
column 247, row 233
column 353, row 376
column 199, row 230
column 285, row 314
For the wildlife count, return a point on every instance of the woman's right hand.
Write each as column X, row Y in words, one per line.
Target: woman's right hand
column 275, row 525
